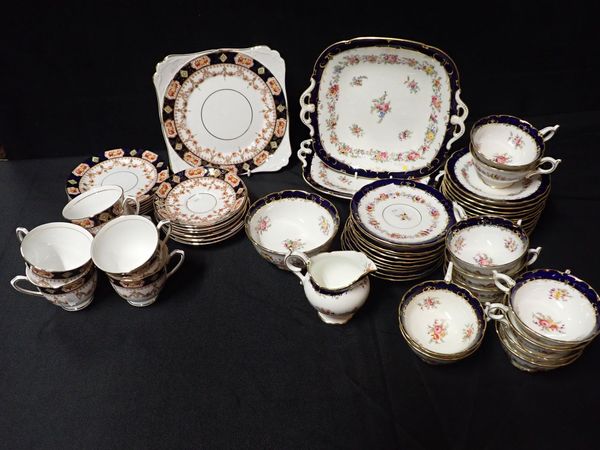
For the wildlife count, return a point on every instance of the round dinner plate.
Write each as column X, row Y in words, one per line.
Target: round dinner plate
column 224, row 109
column 137, row 172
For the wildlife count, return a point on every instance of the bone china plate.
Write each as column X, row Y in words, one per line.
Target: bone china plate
column 224, row 108
column 138, row 172
column 385, row 107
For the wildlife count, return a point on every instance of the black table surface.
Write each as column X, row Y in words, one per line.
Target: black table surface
column 232, row 354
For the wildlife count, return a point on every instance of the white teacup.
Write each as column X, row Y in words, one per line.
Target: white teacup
column 72, row 295
column 56, row 249
column 507, row 149
column 126, row 243
column 94, row 208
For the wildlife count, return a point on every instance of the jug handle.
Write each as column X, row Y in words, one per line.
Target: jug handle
column 295, row 269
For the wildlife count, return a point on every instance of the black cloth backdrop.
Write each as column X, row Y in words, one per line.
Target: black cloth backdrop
column 232, row 355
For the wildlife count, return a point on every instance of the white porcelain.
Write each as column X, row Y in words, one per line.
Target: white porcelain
column 92, row 209
column 468, row 178
column 288, row 221
column 77, row 298
column 551, row 305
column 480, row 245
column 336, row 284
column 441, row 318
column 225, row 114
column 145, row 291
column 126, row 243
column 383, row 107
column 56, row 249
column 402, row 212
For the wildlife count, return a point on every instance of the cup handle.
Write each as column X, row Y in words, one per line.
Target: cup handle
column 14, row 283
column 439, row 175
column 534, row 254
column 131, row 198
column 541, row 171
column 295, row 269
column 503, row 282
column 174, row 253
column 491, row 312
column 459, row 212
column 21, row 233
column 448, row 276
column 548, row 132
column 167, row 225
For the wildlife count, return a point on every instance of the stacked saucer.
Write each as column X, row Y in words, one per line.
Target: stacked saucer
column 401, row 226
column 524, row 200
column 205, row 205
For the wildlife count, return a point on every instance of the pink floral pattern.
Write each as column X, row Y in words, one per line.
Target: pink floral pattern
column 510, row 244
column 404, row 135
column 356, row 130
column 293, row 244
column 412, row 85
column 438, row 331
column 516, row 140
column 264, row 223
column 468, row 332
column 458, row 244
column 547, row 324
column 429, row 303
column 358, row 81
column 483, row 260
column 381, row 107
column 559, row 294
column 502, row 158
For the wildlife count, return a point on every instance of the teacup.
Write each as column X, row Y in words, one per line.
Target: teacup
column 479, row 245
column 72, row 295
column 507, row 149
column 143, row 289
column 551, row 307
column 287, row 221
column 127, row 243
column 441, row 321
column 94, row 208
column 56, row 250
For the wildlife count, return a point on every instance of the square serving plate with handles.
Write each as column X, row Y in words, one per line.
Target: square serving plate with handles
column 225, row 108
column 382, row 107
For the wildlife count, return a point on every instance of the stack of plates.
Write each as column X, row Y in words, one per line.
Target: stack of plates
column 138, row 172
column 205, row 205
column 401, row 226
column 524, row 200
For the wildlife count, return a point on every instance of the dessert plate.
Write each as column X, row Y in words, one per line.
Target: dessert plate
column 402, row 212
column 201, row 196
column 138, row 172
column 222, row 108
column 383, row 107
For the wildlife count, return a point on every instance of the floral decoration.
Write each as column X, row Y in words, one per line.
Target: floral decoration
column 516, row 140
column 381, row 107
column 412, row 85
column 263, row 224
column 502, row 158
column 358, row 81
column 293, row 244
column 510, row 244
column 458, row 244
column 356, row 130
column 483, row 259
column 468, row 332
column 324, row 225
column 559, row 294
column 546, row 323
column 438, row 331
column 428, row 303
column 404, row 135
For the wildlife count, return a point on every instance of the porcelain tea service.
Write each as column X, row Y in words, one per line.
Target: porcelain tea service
column 287, row 221
column 336, row 284
column 441, row 321
column 507, row 150
column 549, row 318
column 94, row 208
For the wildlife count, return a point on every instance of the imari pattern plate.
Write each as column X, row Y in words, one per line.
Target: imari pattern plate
column 200, row 196
column 385, row 107
column 224, row 109
column 138, row 172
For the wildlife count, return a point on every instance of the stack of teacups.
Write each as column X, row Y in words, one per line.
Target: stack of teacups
column 401, row 226
column 502, row 174
column 205, row 205
column 441, row 321
column 58, row 264
column 480, row 245
column 549, row 318
column 94, row 208
column 135, row 259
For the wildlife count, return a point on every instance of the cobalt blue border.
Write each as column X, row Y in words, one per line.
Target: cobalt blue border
column 433, row 52
column 358, row 196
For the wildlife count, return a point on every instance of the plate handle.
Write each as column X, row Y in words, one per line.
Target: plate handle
column 458, row 120
column 304, row 150
column 306, row 108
